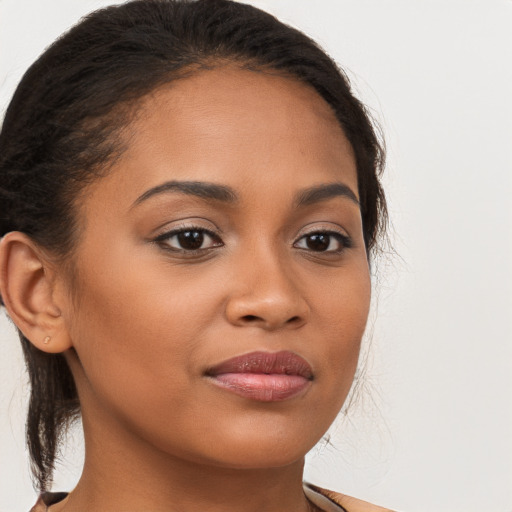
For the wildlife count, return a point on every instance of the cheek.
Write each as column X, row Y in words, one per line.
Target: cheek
column 137, row 330
column 343, row 315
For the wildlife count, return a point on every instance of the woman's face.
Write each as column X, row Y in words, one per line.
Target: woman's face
column 229, row 228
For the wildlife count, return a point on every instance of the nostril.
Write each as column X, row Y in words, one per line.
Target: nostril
column 254, row 318
column 251, row 318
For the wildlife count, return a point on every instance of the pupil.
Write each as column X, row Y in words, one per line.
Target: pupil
column 191, row 239
column 318, row 242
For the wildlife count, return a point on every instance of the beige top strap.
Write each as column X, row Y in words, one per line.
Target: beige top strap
column 330, row 501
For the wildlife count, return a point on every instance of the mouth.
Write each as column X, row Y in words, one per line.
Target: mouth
column 263, row 376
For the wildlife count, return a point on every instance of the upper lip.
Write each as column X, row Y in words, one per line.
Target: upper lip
column 280, row 363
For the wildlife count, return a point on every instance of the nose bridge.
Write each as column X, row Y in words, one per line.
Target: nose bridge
column 266, row 291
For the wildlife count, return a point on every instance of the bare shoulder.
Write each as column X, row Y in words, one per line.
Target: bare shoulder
column 348, row 503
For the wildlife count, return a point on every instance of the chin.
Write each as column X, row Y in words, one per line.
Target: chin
column 267, row 450
column 252, row 460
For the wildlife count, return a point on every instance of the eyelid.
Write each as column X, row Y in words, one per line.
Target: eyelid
column 322, row 227
column 185, row 223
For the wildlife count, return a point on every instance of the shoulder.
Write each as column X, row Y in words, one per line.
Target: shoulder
column 319, row 496
column 347, row 503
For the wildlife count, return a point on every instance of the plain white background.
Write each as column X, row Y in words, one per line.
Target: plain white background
column 432, row 429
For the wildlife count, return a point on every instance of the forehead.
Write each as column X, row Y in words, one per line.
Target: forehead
column 235, row 126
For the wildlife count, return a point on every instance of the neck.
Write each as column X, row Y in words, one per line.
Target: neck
column 124, row 472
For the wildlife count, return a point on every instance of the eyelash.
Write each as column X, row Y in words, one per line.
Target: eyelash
column 165, row 237
column 344, row 241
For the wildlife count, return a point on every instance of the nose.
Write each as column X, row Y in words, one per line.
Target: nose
column 265, row 294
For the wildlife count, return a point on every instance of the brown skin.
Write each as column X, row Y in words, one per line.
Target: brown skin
column 140, row 322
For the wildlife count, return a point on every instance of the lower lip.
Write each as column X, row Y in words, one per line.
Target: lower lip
column 262, row 387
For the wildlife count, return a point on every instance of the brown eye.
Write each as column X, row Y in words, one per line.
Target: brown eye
column 189, row 240
column 318, row 242
column 323, row 242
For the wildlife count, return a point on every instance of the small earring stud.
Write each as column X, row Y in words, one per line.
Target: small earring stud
column 47, row 340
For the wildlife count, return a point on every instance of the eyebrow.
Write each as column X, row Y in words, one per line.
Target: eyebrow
column 200, row 189
column 225, row 194
column 324, row 192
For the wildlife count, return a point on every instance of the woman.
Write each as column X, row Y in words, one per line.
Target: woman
column 190, row 199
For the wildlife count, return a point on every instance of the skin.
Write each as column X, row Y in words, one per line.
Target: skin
column 141, row 321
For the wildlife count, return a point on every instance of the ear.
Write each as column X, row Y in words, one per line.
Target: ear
column 27, row 289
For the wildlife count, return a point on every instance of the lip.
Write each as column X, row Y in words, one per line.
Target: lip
column 263, row 376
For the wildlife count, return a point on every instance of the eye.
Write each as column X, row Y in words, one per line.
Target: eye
column 323, row 241
column 189, row 239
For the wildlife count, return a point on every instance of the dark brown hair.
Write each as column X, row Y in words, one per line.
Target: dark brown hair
column 60, row 132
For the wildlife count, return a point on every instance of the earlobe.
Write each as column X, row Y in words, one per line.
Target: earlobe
column 26, row 286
